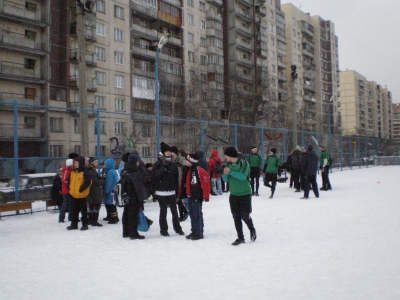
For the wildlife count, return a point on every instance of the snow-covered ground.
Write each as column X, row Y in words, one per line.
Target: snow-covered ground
column 344, row 245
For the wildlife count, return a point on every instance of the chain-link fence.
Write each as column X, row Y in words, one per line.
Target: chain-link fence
column 114, row 133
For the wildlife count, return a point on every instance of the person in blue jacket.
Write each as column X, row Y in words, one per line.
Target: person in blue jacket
column 111, row 179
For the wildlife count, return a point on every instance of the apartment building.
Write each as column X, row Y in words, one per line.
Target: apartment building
column 365, row 107
column 312, row 47
column 396, row 122
column 24, row 74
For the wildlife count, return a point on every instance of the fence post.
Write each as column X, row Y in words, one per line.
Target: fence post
column 235, row 135
column 16, row 159
column 341, row 152
column 262, row 146
column 98, row 152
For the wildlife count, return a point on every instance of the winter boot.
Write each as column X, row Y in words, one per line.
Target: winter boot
column 113, row 217
column 95, row 218
column 73, row 226
column 84, row 226
column 107, row 218
column 238, row 242
column 89, row 217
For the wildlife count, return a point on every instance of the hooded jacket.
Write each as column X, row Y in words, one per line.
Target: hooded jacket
column 212, row 162
column 309, row 163
column 79, row 180
column 94, row 196
column 65, row 173
column 111, row 180
column 165, row 176
column 136, row 189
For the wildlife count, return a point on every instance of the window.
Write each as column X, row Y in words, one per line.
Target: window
column 118, row 35
column 100, row 53
column 102, row 150
column 118, row 12
column 29, row 64
column 29, row 122
column 30, row 6
column 76, row 126
column 203, row 59
column 203, row 42
column 100, row 7
column 119, row 127
column 203, row 77
column 192, row 74
column 146, row 131
column 100, row 29
column 119, row 81
column 146, row 151
column 119, row 104
column 191, row 94
column 118, row 58
column 191, row 19
column 190, row 38
column 30, row 93
column 143, row 83
column 102, row 127
column 202, row 6
column 202, row 24
column 100, row 78
column 169, row 9
column 56, row 151
column 29, row 34
column 56, row 124
column 100, row 101
column 190, row 2
column 216, row 42
column 171, row 52
column 191, row 56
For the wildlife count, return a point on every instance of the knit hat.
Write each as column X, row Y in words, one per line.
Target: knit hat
column 273, row 150
column 174, row 149
column 148, row 165
column 164, row 147
column 322, row 147
column 310, row 148
column 125, row 156
column 69, row 162
column 133, row 158
column 254, row 148
column 298, row 147
column 73, row 155
column 92, row 159
column 193, row 158
column 231, row 152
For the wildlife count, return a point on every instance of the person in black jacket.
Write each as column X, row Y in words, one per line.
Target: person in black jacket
column 94, row 198
column 132, row 185
column 309, row 165
column 56, row 194
column 165, row 178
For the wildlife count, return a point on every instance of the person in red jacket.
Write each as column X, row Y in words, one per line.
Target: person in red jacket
column 215, row 176
column 197, row 190
column 65, row 172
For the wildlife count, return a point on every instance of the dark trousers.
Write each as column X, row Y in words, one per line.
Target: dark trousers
column 163, row 201
column 255, row 178
column 130, row 219
column 196, row 217
column 79, row 206
column 311, row 180
column 326, row 184
column 65, row 207
column 273, row 178
column 241, row 209
column 296, row 179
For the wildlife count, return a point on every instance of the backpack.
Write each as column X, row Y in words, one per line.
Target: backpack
column 296, row 160
column 76, row 181
column 218, row 168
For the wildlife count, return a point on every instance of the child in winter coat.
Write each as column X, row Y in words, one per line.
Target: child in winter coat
column 215, row 176
column 111, row 179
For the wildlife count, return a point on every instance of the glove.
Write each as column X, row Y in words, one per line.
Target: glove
column 206, row 200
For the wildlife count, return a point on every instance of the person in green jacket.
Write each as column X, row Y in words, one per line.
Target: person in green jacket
column 254, row 160
column 236, row 173
column 272, row 171
column 324, row 166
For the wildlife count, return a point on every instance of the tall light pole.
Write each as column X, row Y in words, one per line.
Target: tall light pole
column 294, row 104
column 163, row 40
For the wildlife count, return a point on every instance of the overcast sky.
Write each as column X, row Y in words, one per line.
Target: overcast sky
column 369, row 36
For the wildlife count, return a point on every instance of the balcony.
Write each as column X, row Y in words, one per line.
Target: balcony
column 20, row 73
column 243, row 45
column 308, row 75
column 14, row 11
column 307, row 64
column 243, row 14
column 246, row 61
column 262, row 11
column 142, row 49
column 12, row 41
column 244, row 30
column 141, row 8
column 24, row 131
column 281, row 52
column 245, row 77
column 308, row 52
column 309, row 87
column 215, row 2
column 90, row 32
column 144, row 72
column 147, row 33
column 281, row 65
column 214, row 68
column 91, row 83
column 307, row 29
column 90, row 58
column 28, row 103
column 308, row 98
column 282, row 77
column 170, row 19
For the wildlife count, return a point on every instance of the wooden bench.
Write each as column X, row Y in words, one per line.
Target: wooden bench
column 17, row 206
column 50, row 202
